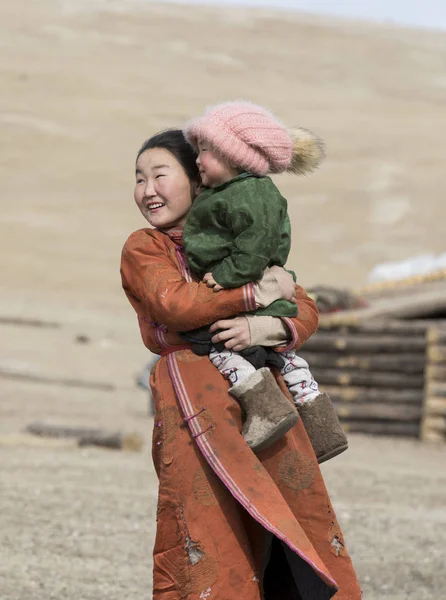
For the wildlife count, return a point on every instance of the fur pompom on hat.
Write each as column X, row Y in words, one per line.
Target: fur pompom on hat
column 252, row 138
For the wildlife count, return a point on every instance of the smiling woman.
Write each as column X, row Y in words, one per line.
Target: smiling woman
column 230, row 523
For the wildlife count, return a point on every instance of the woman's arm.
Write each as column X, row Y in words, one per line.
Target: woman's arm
column 151, row 276
column 282, row 333
column 156, row 288
column 304, row 325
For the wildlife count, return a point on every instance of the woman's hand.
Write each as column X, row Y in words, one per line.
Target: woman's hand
column 285, row 282
column 234, row 333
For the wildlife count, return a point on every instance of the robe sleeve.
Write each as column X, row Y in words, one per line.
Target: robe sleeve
column 304, row 325
column 154, row 285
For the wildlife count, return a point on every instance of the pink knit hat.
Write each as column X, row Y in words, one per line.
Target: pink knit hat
column 246, row 135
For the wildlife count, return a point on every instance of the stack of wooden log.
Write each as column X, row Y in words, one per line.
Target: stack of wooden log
column 384, row 366
column 433, row 427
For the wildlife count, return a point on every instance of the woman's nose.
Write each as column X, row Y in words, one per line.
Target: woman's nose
column 198, row 161
column 149, row 191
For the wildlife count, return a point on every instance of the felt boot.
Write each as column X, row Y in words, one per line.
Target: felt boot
column 323, row 427
column 269, row 414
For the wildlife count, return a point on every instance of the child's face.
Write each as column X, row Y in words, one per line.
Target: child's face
column 214, row 169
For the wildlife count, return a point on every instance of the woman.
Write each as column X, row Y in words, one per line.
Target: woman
column 230, row 524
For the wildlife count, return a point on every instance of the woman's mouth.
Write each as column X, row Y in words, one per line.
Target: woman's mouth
column 155, row 206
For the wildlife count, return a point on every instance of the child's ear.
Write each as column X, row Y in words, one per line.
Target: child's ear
column 237, row 168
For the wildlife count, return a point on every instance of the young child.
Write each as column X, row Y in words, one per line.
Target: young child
column 237, row 228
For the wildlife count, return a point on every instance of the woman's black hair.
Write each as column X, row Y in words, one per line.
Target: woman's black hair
column 173, row 141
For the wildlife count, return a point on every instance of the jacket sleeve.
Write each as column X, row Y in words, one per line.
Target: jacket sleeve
column 255, row 223
column 304, row 325
column 151, row 276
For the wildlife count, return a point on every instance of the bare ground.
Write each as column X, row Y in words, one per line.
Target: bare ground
column 79, row 523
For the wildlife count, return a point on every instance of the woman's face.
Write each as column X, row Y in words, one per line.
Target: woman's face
column 163, row 191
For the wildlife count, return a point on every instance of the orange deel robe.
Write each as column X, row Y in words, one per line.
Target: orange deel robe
column 218, row 502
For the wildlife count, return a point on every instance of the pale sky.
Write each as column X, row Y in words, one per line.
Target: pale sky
column 419, row 13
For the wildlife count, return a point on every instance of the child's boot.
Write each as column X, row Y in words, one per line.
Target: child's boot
column 269, row 414
column 323, row 427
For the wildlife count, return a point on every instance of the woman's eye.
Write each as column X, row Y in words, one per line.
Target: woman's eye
column 160, row 175
column 138, row 181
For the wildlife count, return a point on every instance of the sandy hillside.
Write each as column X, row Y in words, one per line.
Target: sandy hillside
column 83, row 83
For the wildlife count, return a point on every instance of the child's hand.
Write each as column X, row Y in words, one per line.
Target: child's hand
column 210, row 282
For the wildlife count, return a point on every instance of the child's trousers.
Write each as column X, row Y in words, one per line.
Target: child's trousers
column 295, row 372
column 315, row 408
